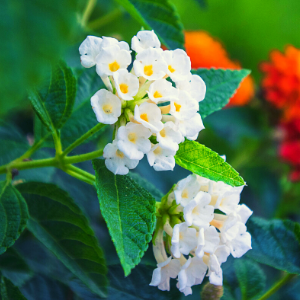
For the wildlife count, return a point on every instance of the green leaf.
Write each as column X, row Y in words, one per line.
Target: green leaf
column 275, row 243
column 13, row 215
column 54, row 103
column 251, row 278
column 220, row 87
column 207, row 163
column 33, row 34
column 159, row 15
column 9, row 291
column 129, row 211
column 59, row 224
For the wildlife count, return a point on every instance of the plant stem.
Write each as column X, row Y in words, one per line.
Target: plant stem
column 57, row 143
column 83, row 138
column 88, row 11
column 79, row 176
column 83, row 157
column 281, row 282
column 104, row 20
column 81, row 172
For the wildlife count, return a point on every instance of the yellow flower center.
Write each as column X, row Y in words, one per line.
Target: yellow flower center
column 124, row 88
column 177, row 106
column 148, row 70
column 157, row 95
column 158, row 150
column 119, row 153
column 132, row 137
column 144, row 117
column 185, row 194
column 172, row 70
column 163, row 133
column 107, row 108
column 114, row 66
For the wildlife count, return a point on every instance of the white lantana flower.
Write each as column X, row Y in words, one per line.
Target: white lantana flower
column 143, row 40
column 184, row 107
column 149, row 115
column 190, row 128
column 208, row 241
column 184, row 239
column 191, row 273
column 164, row 271
column 179, row 64
column 161, row 159
column 116, row 161
column 150, row 64
column 127, row 84
column 169, row 137
column 198, row 212
column 186, row 190
column 109, row 41
column 89, row 49
column 195, row 86
column 106, row 106
column 112, row 59
column 133, row 140
column 162, row 90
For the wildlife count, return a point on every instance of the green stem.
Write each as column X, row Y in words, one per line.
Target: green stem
column 81, row 172
column 57, row 143
column 83, row 138
column 79, row 176
column 88, row 11
column 285, row 279
column 104, row 20
column 83, row 157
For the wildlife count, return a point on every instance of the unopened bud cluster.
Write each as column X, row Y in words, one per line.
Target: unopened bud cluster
column 154, row 106
column 200, row 223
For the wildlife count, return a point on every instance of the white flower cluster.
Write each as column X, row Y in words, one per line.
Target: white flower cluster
column 198, row 238
column 152, row 116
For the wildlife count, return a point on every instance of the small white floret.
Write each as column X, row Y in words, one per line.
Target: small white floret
column 109, row 41
column 106, row 106
column 126, row 84
column 169, row 137
column 143, row 40
column 112, row 59
column 162, row 90
column 133, row 140
column 179, row 64
column 208, row 241
column 116, row 161
column 149, row 115
column 195, row 86
column 184, row 240
column 89, row 49
column 190, row 128
column 164, row 271
column 161, row 159
column 150, row 64
column 198, row 211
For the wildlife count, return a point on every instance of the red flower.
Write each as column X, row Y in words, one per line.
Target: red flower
column 281, row 83
column 206, row 52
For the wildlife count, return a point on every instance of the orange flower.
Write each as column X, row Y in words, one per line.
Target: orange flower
column 281, row 83
column 206, row 52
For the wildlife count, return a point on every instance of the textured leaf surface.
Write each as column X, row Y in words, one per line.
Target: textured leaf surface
column 220, row 87
column 129, row 211
column 13, row 215
column 54, row 102
column 275, row 243
column 61, row 226
column 9, row 291
column 159, row 15
column 206, row 163
column 251, row 278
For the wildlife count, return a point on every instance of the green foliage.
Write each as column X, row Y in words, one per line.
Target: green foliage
column 275, row 243
column 9, row 291
column 13, row 215
column 207, row 163
column 159, row 15
column 54, row 103
column 59, row 224
column 33, row 34
column 252, row 280
column 129, row 211
column 220, row 87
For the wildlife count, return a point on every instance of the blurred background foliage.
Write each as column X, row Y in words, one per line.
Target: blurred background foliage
column 251, row 131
